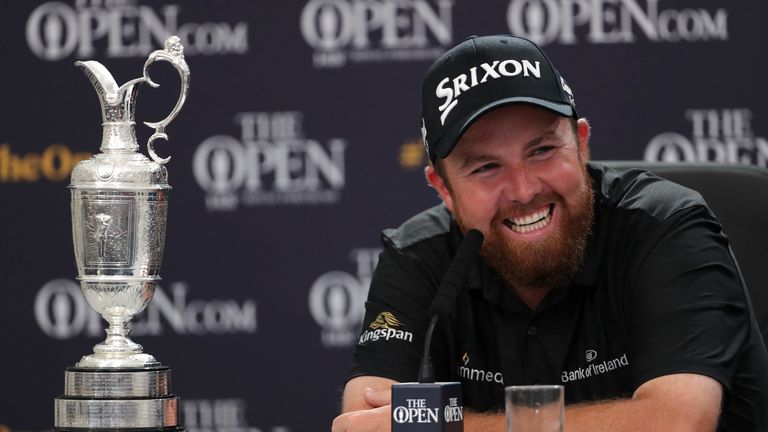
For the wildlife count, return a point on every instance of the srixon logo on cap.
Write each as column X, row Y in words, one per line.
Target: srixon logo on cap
column 451, row 88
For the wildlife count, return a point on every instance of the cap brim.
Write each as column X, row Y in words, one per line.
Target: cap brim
column 452, row 136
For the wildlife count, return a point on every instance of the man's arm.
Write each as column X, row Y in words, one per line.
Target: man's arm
column 671, row 403
column 366, row 405
column 678, row 402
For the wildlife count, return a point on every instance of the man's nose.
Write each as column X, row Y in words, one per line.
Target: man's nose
column 521, row 186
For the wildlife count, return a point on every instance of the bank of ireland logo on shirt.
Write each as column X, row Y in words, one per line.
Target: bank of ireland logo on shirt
column 594, row 368
column 590, row 355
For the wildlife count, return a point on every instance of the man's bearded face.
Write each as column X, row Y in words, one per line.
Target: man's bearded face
column 550, row 262
column 519, row 175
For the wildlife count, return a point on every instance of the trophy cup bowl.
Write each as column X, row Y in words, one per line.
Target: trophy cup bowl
column 119, row 214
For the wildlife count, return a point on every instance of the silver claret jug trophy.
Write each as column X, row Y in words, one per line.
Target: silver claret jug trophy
column 119, row 211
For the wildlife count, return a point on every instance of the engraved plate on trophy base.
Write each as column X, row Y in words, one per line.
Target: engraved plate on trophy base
column 117, row 399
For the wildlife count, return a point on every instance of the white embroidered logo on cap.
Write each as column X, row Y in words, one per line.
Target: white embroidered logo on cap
column 495, row 70
column 567, row 90
column 424, row 134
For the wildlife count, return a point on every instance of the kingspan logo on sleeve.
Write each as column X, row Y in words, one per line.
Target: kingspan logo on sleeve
column 384, row 327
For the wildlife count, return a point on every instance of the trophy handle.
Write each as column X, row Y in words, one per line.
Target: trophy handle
column 173, row 53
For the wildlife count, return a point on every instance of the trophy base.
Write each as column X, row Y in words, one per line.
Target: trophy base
column 102, row 361
column 137, row 399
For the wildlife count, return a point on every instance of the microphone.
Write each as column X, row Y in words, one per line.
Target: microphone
column 456, row 274
column 427, row 406
column 447, row 293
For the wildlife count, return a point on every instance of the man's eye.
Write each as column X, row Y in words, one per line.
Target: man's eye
column 538, row 151
column 484, row 168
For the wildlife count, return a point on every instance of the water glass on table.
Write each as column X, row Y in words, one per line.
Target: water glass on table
column 535, row 408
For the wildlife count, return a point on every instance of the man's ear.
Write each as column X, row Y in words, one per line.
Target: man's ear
column 437, row 182
column 583, row 131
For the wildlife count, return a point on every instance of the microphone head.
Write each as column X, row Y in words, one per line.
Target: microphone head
column 473, row 239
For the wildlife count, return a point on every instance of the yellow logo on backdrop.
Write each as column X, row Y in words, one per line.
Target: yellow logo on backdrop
column 55, row 163
column 412, row 154
column 385, row 320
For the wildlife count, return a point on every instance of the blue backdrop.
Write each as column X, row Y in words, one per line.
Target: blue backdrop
column 298, row 144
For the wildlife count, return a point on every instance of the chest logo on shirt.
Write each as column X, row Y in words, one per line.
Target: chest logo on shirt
column 594, row 369
column 590, row 355
column 383, row 328
column 474, row 374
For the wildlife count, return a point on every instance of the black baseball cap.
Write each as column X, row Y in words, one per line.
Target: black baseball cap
column 483, row 73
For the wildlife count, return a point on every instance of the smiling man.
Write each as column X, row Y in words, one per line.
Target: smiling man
column 618, row 285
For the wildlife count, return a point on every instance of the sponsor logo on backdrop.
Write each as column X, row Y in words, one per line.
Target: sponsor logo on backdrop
column 614, row 21
column 365, row 31
column 219, row 415
column 470, row 373
column 716, row 135
column 62, row 312
column 54, row 163
column 383, row 327
column 124, row 28
column 337, row 298
column 412, row 155
column 270, row 163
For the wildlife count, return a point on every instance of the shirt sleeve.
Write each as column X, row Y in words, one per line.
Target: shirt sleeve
column 687, row 311
column 396, row 317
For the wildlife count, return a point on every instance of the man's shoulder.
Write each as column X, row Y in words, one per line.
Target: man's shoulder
column 431, row 224
column 634, row 189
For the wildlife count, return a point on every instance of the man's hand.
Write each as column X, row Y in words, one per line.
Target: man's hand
column 367, row 406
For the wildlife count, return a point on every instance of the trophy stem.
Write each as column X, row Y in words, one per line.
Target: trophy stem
column 117, row 339
column 117, row 350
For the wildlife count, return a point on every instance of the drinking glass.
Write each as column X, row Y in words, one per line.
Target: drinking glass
column 536, row 408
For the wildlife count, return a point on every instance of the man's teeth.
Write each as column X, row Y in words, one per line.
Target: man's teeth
column 531, row 222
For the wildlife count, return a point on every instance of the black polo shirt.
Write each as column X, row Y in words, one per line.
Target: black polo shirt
column 658, row 293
